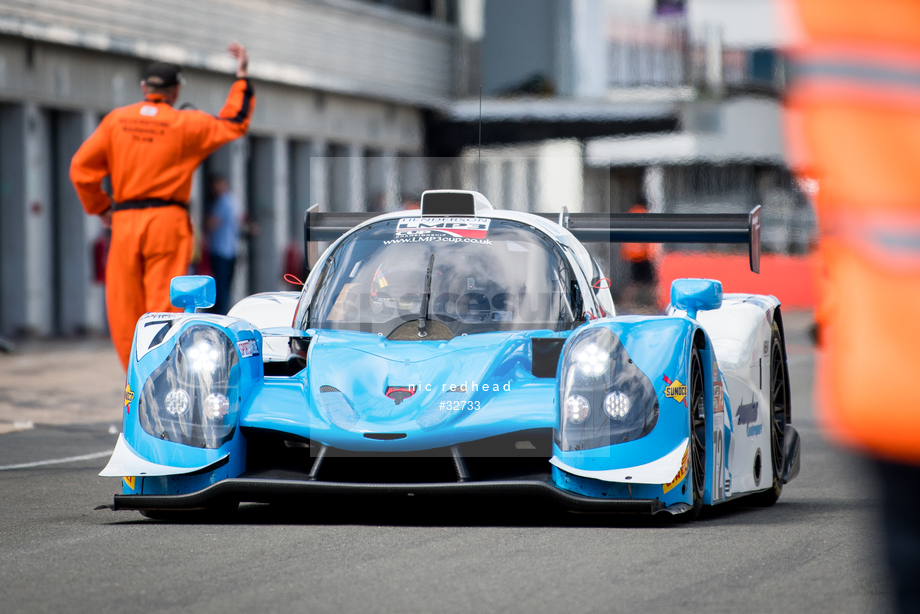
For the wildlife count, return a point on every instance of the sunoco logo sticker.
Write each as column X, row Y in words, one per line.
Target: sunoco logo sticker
column 675, row 390
column 129, row 396
column 460, row 227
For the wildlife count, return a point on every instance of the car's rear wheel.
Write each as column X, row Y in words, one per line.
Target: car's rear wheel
column 696, row 394
column 778, row 413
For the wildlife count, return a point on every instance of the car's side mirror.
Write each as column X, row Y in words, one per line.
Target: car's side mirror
column 694, row 295
column 189, row 292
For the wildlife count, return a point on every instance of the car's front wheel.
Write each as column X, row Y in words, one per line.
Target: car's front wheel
column 696, row 395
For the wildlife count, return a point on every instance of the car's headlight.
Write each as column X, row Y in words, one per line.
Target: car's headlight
column 576, row 409
column 193, row 397
column 592, row 360
column 605, row 399
column 177, row 402
column 616, row 405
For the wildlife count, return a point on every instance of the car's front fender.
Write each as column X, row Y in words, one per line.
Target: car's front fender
column 655, row 465
column 146, row 456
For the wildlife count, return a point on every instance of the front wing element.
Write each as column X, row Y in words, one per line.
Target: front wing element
column 268, row 490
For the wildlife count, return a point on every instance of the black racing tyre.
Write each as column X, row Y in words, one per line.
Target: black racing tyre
column 779, row 394
column 696, row 396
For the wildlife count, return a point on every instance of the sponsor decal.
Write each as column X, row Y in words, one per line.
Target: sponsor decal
column 747, row 415
column 675, row 390
column 766, row 348
column 718, row 448
column 129, row 480
column 129, row 396
column 159, row 316
column 718, row 401
column 747, row 412
column 684, row 468
column 248, row 348
column 458, row 227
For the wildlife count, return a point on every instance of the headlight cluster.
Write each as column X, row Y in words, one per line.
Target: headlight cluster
column 193, row 397
column 576, row 409
column 592, row 360
column 616, row 405
column 605, row 399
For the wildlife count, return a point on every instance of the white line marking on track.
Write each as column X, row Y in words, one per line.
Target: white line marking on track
column 58, row 461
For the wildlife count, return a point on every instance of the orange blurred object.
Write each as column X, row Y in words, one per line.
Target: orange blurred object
column 873, row 22
column 789, row 277
column 635, row 252
column 853, row 124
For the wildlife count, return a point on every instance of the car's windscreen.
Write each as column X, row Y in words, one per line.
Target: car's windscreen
column 486, row 275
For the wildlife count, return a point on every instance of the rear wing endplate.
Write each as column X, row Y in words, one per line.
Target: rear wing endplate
column 598, row 228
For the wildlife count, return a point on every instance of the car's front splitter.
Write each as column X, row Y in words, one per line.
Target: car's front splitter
column 268, row 490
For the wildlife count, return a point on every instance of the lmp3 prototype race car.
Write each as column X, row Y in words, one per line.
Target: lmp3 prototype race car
column 461, row 350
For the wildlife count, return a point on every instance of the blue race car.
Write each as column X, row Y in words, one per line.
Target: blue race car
column 461, row 350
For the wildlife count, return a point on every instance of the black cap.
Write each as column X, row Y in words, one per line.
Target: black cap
column 162, row 74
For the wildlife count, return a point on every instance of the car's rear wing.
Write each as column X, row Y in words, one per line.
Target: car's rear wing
column 665, row 228
column 599, row 228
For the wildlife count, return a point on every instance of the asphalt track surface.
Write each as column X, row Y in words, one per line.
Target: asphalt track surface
column 816, row 550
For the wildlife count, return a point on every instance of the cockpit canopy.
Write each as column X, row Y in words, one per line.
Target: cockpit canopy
column 487, row 275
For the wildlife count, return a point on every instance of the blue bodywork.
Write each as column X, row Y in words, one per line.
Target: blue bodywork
column 494, row 393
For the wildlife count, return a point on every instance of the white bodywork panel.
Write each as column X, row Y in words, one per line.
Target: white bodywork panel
column 125, row 462
column 154, row 329
column 660, row 471
column 740, row 331
column 269, row 310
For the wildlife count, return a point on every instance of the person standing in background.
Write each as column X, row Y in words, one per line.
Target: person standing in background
column 639, row 290
column 223, row 227
column 150, row 151
column 853, row 127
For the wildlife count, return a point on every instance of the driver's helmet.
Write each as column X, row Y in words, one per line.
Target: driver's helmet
column 398, row 286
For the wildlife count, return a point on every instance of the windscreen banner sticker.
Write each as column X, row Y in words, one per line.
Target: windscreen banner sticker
column 684, row 467
column 475, row 229
column 717, row 455
column 248, row 348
